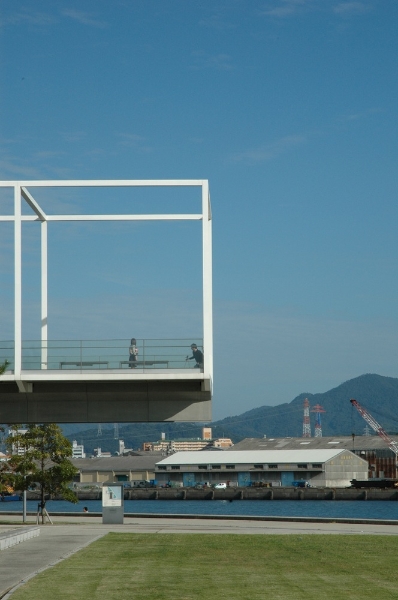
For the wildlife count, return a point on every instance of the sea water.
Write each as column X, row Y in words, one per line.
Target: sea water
column 352, row 509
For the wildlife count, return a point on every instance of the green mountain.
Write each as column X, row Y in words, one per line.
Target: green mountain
column 379, row 395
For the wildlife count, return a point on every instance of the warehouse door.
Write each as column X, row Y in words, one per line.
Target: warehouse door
column 243, row 479
column 287, row 478
column 188, row 479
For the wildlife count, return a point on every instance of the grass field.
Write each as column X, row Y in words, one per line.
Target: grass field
column 195, row 567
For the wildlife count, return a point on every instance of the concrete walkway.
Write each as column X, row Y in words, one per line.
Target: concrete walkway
column 69, row 534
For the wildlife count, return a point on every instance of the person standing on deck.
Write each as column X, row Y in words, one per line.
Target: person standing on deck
column 133, row 351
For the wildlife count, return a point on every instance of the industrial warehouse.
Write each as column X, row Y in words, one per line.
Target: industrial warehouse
column 375, row 459
column 318, row 468
column 382, row 460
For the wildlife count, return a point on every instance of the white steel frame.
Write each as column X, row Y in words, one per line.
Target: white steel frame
column 22, row 192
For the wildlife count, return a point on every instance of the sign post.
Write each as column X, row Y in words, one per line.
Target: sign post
column 112, row 503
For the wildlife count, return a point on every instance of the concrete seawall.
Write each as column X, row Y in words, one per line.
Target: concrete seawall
column 246, row 493
column 280, row 493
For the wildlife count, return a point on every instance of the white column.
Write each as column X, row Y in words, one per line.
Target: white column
column 207, row 282
column 17, row 282
column 44, row 295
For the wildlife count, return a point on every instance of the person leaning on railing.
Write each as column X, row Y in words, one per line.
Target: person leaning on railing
column 197, row 355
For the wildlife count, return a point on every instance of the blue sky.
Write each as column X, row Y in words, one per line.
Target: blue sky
column 288, row 108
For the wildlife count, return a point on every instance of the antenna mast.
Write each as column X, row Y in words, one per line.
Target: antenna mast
column 306, row 419
column 318, row 409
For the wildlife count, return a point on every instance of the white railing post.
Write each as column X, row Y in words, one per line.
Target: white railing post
column 44, row 296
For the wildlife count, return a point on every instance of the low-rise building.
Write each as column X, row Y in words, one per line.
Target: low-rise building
column 15, row 448
column 382, row 460
column 116, row 468
column 123, row 451
column 187, row 444
column 320, row 468
column 78, row 450
column 99, row 453
column 169, row 446
column 222, row 443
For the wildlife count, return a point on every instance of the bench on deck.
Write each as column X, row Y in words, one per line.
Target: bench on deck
column 144, row 363
column 83, row 363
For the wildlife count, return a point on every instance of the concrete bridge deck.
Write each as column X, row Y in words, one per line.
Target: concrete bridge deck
column 103, row 396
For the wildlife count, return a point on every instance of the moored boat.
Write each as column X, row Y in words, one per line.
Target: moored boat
column 10, row 497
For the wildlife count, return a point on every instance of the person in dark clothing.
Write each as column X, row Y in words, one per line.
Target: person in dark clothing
column 197, row 355
column 133, row 351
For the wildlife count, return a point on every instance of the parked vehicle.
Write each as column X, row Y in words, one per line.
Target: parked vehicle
column 144, row 484
column 301, row 484
column 220, row 486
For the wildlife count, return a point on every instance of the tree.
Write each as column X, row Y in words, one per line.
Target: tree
column 41, row 461
column 3, row 367
column 6, row 477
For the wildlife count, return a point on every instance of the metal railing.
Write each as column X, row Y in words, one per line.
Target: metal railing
column 101, row 354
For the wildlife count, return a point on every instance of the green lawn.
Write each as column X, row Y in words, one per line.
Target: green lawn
column 188, row 567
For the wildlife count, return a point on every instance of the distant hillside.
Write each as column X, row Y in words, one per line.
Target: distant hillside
column 378, row 394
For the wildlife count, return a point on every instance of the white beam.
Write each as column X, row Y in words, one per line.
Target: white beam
column 17, row 282
column 24, row 386
column 207, row 283
column 106, row 183
column 12, row 218
column 164, row 217
column 33, row 204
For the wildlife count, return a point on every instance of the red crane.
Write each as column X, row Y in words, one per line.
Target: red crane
column 375, row 426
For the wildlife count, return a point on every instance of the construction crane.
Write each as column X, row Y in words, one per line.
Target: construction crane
column 375, row 426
